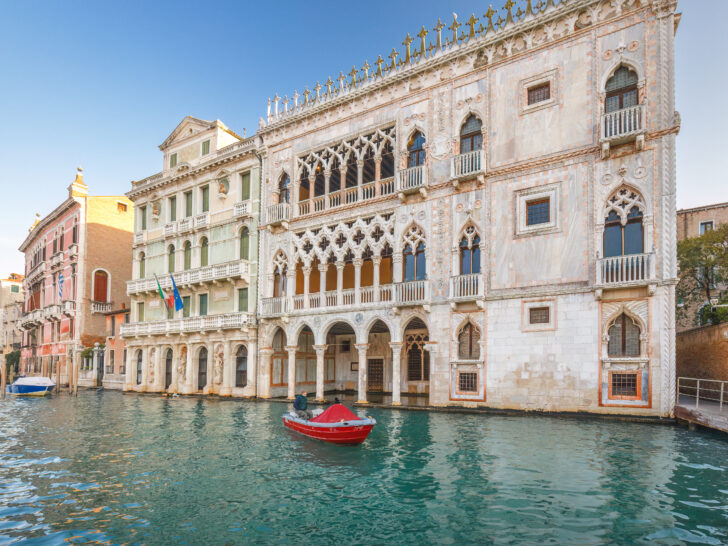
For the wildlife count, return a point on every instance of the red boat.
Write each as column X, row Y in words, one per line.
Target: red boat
column 337, row 425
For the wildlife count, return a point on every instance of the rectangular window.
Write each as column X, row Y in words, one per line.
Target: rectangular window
column 538, row 315
column 61, row 241
column 113, row 326
column 188, row 204
column 468, row 382
column 123, row 363
column 186, row 306
column 245, row 186
column 539, row 93
column 126, row 318
column 173, row 160
column 624, row 386
column 345, row 346
column 242, row 300
column 140, row 311
column 15, row 288
column 172, row 209
column 203, row 305
column 538, row 212
column 170, row 312
column 205, row 193
column 111, row 360
column 706, row 227
column 121, row 207
column 206, row 147
column 143, row 217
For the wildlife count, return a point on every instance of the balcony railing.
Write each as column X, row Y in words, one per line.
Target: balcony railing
column 73, row 250
column 632, row 269
column 623, row 123
column 184, row 325
column 170, row 229
column 274, row 307
column 68, row 307
column 202, row 220
column 52, row 312
column 412, row 292
column 56, row 259
column 35, row 273
column 241, row 209
column 411, row 179
column 100, row 307
column 278, row 213
column 466, row 287
column 209, row 273
column 184, row 225
column 140, row 237
column 467, row 163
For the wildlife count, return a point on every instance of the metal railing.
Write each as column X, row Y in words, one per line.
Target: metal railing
column 623, row 123
column 278, row 213
column 467, row 163
column 705, row 390
column 466, row 287
column 628, row 269
column 413, row 178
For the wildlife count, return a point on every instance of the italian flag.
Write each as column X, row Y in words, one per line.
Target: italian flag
column 168, row 299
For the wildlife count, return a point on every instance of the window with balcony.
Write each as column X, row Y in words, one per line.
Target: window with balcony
column 204, row 252
column 470, row 254
column 245, row 186
column 188, row 204
column 172, row 209
column 140, row 311
column 142, row 265
column 624, row 337
column 101, row 286
column 187, row 255
column 205, row 197
column 203, row 305
column 621, row 90
column 471, row 136
column 245, row 244
column 416, row 150
column 279, row 281
column 623, row 236
column 468, row 342
column 284, row 189
column 173, row 160
column 415, row 264
column 241, row 366
column 170, row 259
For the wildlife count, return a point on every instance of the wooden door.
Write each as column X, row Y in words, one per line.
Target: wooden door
column 375, row 375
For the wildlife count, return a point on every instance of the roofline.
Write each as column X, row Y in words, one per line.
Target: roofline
column 704, row 207
column 35, row 231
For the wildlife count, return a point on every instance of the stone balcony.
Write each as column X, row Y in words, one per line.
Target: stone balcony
column 169, row 229
column 278, row 215
column 464, row 288
column 187, row 325
column 209, row 273
column 621, row 126
column 56, row 260
column 242, row 209
column 201, row 221
column 625, row 271
column 100, row 307
column 355, row 194
column 412, row 180
column 140, row 237
column 72, row 250
column 53, row 312
column 36, row 273
column 467, row 165
column 68, row 307
column 31, row 318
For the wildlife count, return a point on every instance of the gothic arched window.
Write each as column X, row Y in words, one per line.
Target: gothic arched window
column 471, row 137
column 415, row 266
column 623, row 229
column 621, row 90
column 241, row 366
column 284, row 189
column 470, row 252
column 624, row 337
column 416, row 150
column 468, row 346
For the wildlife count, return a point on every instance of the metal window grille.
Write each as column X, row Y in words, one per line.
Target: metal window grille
column 538, row 212
column 539, row 93
column 538, row 315
column 468, row 382
column 624, row 384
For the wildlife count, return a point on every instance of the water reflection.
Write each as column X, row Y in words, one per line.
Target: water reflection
column 109, row 467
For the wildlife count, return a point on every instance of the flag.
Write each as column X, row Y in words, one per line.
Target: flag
column 60, row 287
column 161, row 292
column 178, row 305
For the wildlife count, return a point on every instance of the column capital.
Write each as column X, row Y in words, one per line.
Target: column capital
column 268, row 351
column 395, row 345
column 340, row 265
column 306, row 269
column 291, row 348
column 376, row 260
column 362, row 346
column 320, row 348
column 323, row 268
column 358, row 262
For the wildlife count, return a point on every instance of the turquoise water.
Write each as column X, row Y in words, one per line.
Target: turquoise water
column 113, row 468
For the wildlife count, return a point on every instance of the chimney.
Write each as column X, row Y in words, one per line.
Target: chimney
column 78, row 188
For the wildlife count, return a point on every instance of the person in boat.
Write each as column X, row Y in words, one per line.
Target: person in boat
column 300, row 404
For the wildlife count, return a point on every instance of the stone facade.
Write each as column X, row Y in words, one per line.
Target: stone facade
column 77, row 260
column 114, row 355
column 702, row 353
column 197, row 222
column 437, row 226
column 12, row 296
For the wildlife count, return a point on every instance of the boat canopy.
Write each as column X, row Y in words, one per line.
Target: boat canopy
column 336, row 414
column 35, row 381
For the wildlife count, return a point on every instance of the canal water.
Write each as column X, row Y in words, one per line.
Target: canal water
column 114, row 468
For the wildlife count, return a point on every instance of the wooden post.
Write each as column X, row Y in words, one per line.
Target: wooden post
column 58, row 375
column 3, row 379
column 76, row 373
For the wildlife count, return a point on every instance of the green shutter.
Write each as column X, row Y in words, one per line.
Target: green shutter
column 204, row 255
column 245, row 244
column 205, row 198
column 206, row 147
column 172, row 209
column 143, row 217
column 245, row 192
column 186, row 306
column 242, row 300
column 188, row 204
column 203, row 305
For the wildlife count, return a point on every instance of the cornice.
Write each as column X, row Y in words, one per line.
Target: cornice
column 40, row 226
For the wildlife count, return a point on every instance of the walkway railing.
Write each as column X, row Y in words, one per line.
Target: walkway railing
column 705, row 391
column 623, row 123
column 188, row 324
column 274, row 307
column 209, row 273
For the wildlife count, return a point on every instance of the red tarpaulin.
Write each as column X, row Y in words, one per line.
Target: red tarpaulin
column 336, row 414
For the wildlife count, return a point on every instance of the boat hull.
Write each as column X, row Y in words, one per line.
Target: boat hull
column 338, row 433
column 29, row 390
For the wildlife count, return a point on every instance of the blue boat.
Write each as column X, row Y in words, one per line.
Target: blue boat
column 31, row 386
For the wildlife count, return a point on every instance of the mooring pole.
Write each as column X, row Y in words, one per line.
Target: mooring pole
column 3, row 378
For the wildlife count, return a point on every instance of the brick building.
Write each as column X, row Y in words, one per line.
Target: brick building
column 696, row 221
column 11, row 309
column 77, row 262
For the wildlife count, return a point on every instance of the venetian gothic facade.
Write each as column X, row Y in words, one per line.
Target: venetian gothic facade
column 487, row 220
column 197, row 223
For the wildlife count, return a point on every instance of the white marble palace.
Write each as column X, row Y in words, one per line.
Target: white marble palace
column 485, row 218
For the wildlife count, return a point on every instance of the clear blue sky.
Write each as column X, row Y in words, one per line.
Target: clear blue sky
column 101, row 84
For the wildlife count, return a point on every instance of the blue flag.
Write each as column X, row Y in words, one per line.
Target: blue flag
column 178, row 305
column 60, row 287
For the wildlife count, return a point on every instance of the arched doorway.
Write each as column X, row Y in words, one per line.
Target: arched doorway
column 241, row 366
column 139, row 367
column 168, row 369
column 379, row 360
column 202, row 369
column 416, row 360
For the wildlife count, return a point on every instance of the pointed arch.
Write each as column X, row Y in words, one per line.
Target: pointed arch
column 471, row 133
column 624, row 214
column 468, row 341
column 284, row 188
column 416, row 148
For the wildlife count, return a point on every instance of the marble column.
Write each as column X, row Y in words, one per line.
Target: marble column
column 362, row 348
column 291, row 371
column 358, row 262
column 252, row 362
column 306, row 285
column 290, row 287
column 340, row 283
column 327, row 183
column 359, row 177
column 378, row 171
column 175, row 376
column 228, row 370
column 320, row 352
column 376, row 260
column 128, row 376
column 323, row 268
column 264, row 385
column 396, row 347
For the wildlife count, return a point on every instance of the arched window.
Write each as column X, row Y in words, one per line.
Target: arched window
column 139, row 368
column 142, row 265
column 279, row 282
column 101, row 286
column 245, row 244
column 168, row 369
column 470, row 252
column 188, row 255
column 418, row 360
column 624, row 337
column 415, row 267
column 416, row 150
column 284, row 189
column 623, row 229
column 471, row 137
column 170, row 259
column 204, row 252
column 621, row 90
column 202, row 369
column 241, row 366
column 468, row 346
column 304, row 187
